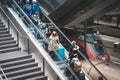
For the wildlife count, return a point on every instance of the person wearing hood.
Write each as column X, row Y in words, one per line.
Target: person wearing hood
column 27, row 8
column 35, row 7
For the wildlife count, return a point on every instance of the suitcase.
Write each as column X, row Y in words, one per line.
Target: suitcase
column 61, row 52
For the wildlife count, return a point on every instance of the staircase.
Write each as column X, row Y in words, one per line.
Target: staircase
column 16, row 64
column 7, row 42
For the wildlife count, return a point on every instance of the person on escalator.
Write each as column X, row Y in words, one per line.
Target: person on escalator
column 54, row 41
column 35, row 8
column 73, row 49
column 27, row 7
column 75, row 64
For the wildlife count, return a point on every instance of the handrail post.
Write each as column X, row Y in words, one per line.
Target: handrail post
column 85, row 25
column 43, row 66
column 8, row 24
column 17, row 38
column 28, row 45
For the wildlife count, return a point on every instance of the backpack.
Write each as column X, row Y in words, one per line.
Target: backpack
column 77, row 66
column 28, row 7
column 82, row 75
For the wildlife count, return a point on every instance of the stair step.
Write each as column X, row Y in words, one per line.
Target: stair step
column 1, row 25
column 9, row 50
column 23, row 66
column 62, row 66
column 5, row 35
column 15, row 59
column 1, row 22
column 42, row 77
column 3, row 29
column 8, row 46
column 58, row 62
column 25, row 76
column 23, row 71
column 4, row 32
column 6, row 38
column 7, row 42
column 17, row 63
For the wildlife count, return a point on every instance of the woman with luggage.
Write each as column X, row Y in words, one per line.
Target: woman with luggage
column 54, row 41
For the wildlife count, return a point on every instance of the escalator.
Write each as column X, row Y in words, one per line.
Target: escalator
column 42, row 40
column 38, row 37
column 71, row 13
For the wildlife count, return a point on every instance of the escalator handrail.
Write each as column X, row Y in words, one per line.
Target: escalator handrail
column 71, row 44
column 46, row 40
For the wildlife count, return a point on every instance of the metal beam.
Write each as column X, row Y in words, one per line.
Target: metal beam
column 96, row 10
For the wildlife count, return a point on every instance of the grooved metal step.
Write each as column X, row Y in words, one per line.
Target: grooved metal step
column 17, row 63
column 9, row 49
column 4, row 32
column 1, row 25
column 15, row 68
column 60, row 64
column 25, row 76
column 5, row 35
column 15, row 59
column 1, row 22
column 42, row 77
column 8, row 46
column 6, row 38
column 23, row 71
column 3, row 29
column 7, row 42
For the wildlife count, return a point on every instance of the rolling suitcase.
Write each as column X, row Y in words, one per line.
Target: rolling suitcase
column 61, row 52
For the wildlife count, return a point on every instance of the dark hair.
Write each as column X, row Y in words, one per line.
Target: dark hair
column 100, row 78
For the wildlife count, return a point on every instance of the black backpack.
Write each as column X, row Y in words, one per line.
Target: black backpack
column 82, row 75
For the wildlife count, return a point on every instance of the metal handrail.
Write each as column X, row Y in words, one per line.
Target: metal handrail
column 71, row 44
column 3, row 73
column 46, row 40
column 13, row 23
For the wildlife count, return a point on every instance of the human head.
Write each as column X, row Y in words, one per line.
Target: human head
column 73, row 42
column 54, row 33
column 34, row 1
column 75, row 55
column 27, row 1
column 100, row 78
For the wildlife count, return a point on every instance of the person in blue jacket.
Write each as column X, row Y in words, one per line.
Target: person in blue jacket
column 27, row 7
column 35, row 7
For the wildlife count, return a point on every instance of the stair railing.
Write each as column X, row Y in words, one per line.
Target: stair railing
column 18, row 32
column 3, row 74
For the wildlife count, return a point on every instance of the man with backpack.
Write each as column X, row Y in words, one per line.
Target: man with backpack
column 76, row 66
